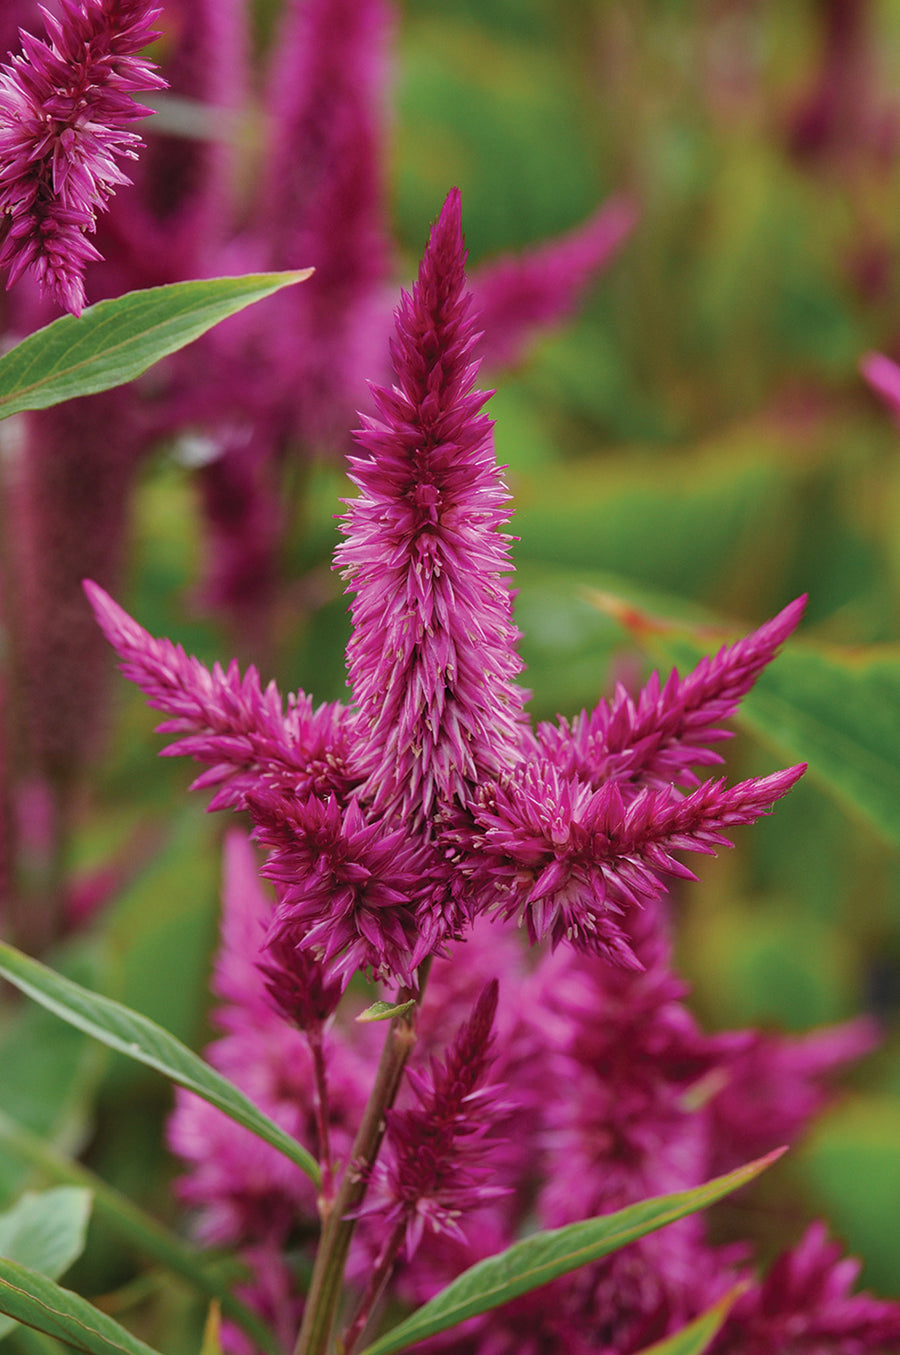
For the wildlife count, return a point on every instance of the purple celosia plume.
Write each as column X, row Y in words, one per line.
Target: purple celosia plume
column 432, row 661
column 393, row 825
column 777, row 1084
column 66, row 108
column 568, row 861
column 658, row 738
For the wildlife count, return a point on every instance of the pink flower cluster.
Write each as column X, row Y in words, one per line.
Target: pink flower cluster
column 598, row 1089
column 394, row 823
column 66, row 107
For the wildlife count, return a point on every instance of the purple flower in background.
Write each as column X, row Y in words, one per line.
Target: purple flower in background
column 883, row 375
column 804, row 1306
column 65, row 110
column 519, row 294
column 777, row 1084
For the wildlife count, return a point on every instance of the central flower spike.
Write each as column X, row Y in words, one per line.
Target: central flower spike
column 433, row 659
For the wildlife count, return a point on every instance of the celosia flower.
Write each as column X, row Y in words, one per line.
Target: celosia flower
column 349, row 891
column 804, row 1306
column 394, row 825
column 883, row 375
column 438, row 1165
column 567, row 861
column 774, row 1087
column 227, row 721
column 432, row 660
column 65, row 107
column 520, row 294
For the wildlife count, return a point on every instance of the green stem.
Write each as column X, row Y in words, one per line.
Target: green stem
column 381, row 1273
column 328, row 1273
column 320, row 1102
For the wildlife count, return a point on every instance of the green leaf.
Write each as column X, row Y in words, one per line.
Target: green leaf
column 148, row 1236
column 537, row 1260
column 145, row 1041
column 117, row 340
column 38, row 1302
column 696, row 1336
column 45, row 1232
column 385, row 1011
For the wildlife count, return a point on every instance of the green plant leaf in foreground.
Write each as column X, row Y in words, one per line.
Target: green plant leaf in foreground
column 537, row 1260
column 146, row 1234
column 146, row 1042
column 117, row 340
column 838, row 710
column 46, row 1232
column 31, row 1298
column 696, row 1336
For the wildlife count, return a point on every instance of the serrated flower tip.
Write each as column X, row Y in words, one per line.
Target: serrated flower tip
column 65, row 109
column 432, row 661
column 659, row 739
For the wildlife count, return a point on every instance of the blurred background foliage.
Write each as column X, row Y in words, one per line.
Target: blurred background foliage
column 697, row 443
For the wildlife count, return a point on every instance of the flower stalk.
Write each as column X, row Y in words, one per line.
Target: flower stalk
column 328, row 1273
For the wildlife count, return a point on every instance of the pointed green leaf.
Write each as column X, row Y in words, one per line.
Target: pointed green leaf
column 45, row 1232
column 385, row 1011
column 537, row 1260
column 38, row 1302
column 117, row 340
column 147, row 1235
column 697, row 1335
column 146, row 1042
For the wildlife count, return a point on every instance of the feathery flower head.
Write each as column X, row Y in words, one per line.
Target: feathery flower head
column 566, row 860
column 439, row 1149
column 395, row 824
column 65, row 110
column 432, row 659
column 804, row 1305
column 776, row 1085
column 350, row 891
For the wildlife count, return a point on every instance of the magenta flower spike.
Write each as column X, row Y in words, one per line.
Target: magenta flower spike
column 322, row 201
column 517, row 296
column 392, row 826
column 432, row 660
column 66, row 107
column 439, row 1149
